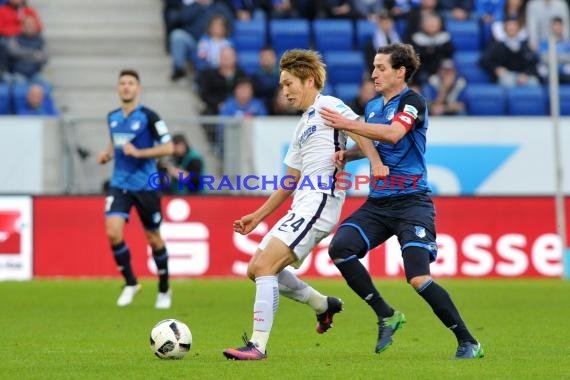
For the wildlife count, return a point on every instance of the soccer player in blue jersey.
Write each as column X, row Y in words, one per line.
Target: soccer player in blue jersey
column 138, row 137
column 398, row 204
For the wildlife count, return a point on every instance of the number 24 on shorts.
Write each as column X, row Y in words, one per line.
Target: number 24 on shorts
column 289, row 223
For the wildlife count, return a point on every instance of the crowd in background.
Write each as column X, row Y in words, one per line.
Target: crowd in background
column 23, row 55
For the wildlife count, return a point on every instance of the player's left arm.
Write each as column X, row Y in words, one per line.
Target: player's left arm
column 159, row 131
column 410, row 110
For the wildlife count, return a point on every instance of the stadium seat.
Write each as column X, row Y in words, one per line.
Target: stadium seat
column 328, row 90
column 526, row 100
column 467, row 63
column 465, row 34
column 485, row 100
column 332, row 35
column 248, row 60
column 4, row 99
column 344, row 67
column 346, row 91
column 249, row 35
column 364, row 31
column 289, row 34
column 19, row 94
column 565, row 100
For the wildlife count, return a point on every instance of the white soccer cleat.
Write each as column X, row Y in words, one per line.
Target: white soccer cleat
column 163, row 300
column 128, row 294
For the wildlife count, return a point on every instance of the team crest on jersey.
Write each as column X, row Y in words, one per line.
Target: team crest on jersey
column 420, row 232
column 390, row 114
column 114, row 123
column 135, row 125
column 311, row 113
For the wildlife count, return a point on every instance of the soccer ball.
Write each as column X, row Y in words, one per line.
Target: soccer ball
column 170, row 339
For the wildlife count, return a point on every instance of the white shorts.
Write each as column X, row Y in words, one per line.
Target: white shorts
column 312, row 217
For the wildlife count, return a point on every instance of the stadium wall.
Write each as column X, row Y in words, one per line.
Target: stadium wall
column 478, row 237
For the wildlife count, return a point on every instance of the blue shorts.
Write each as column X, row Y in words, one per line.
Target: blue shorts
column 119, row 202
column 410, row 217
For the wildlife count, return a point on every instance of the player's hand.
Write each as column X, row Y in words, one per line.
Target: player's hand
column 246, row 224
column 339, row 159
column 103, row 158
column 380, row 170
column 333, row 119
column 130, row 150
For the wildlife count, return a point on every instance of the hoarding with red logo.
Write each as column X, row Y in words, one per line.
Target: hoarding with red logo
column 477, row 237
column 15, row 238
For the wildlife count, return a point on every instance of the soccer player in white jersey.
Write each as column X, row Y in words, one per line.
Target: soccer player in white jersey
column 316, row 207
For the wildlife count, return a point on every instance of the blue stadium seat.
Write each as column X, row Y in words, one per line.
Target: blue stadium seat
column 19, row 94
column 289, row 34
column 526, row 100
column 364, row 31
column 344, row 67
column 565, row 100
column 465, row 34
column 249, row 35
column 485, row 100
column 4, row 99
column 248, row 60
column 328, row 90
column 331, row 35
column 467, row 63
column 346, row 91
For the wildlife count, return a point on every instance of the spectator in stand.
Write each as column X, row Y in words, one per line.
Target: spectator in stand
column 511, row 62
column 455, row 9
column 415, row 16
column 337, row 9
column 485, row 11
column 433, row 44
column 280, row 8
column 365, row 93
column 171, row 16
column 11, row 16
column 212, row 42
column 242, row 103
column 385, row 34
column 36, row 104
column 511, row 9
column 26, row 53
column 266, row 78
column 184, row 162
column 183, row 41
column 400, row 9
column 562, row 48
column 445, row 91
column 216, row 85
column 243, row 10
column 539, row 15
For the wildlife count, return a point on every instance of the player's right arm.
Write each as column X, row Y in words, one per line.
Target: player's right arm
column 247, row 223
column 106, row 155
column 368, row 149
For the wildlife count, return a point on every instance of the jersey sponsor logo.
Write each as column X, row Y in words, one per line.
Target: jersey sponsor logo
column 341, row 106
column 114, row 123
column 161, row 128
column 420, row 232
column 411, row 110
column 306, row 134
column 121, row 139
column 135, row 125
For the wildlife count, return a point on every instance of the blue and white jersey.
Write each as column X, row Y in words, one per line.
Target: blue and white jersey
column 144, row 129
column 313, row 146
column 405, row 158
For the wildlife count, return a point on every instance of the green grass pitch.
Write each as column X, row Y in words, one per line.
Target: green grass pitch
column 71, row 329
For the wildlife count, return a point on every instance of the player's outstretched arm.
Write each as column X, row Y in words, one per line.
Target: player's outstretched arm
column 157, row 151
column 106, row 155
column 247, row 223
column 391, row 133
column 367, row 147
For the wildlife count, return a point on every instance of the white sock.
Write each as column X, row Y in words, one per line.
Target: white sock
column 264, row 309
column 293, row 287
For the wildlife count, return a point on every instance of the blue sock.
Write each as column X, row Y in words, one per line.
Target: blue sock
column 123, row 260
column 160, row 257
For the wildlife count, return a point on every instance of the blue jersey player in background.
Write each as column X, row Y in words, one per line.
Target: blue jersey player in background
column 138, row 137
column 398, row 204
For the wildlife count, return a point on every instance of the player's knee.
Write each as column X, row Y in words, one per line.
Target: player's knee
column 346, row 243
column 154, row 240
column 418, row 281
column 115, row 235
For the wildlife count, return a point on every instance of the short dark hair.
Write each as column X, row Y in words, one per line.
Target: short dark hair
column 402, row 55
column 179, row 138
column 130, row 72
